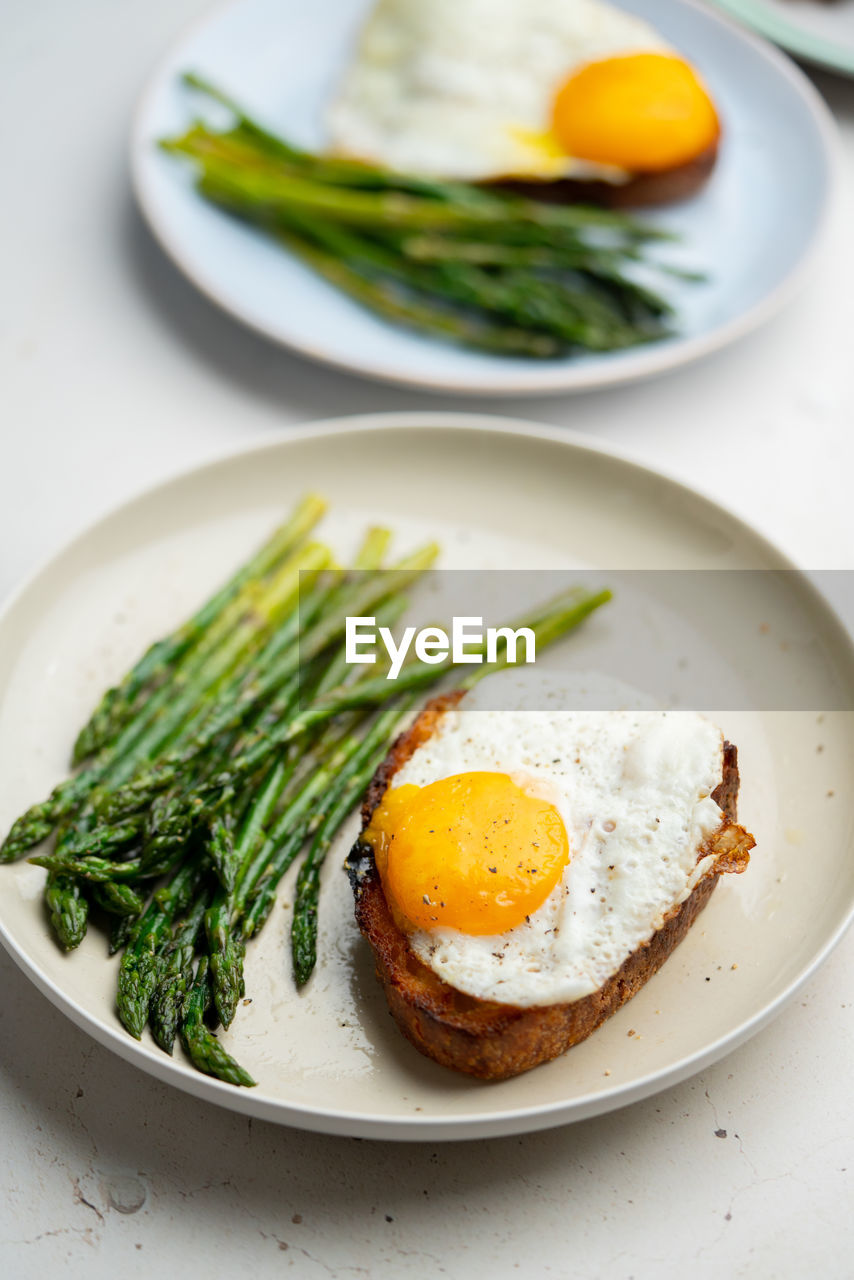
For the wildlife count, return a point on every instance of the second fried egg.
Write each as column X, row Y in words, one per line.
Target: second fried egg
column 533, row 89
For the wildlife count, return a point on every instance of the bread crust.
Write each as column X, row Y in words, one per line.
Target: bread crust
column 487, row 1039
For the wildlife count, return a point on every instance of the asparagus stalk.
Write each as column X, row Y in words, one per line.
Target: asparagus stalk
column 120, row 702
column 418, row 312
column 565, row 308
column 286, row 837
column 371, row 553
column 226, row 948
column 68, row 909
column 281, row 675
column 118, row 899
column 220, row 846
column 166, row 711
column 121, row 933
column 176, row 977
column 135, row 796
column 138, row 971
column 103, row 840
column 356, row 599
column 349, row 785
column 426, row 248
column 206, row 1052
column 95, row 870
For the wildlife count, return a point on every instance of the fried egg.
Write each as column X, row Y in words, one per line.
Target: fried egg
column 534, row 89
column 527, row 854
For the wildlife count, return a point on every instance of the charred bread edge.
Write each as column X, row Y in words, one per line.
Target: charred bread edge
column 490, row 1040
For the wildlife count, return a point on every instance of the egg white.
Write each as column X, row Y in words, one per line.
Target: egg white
column 464, row 88
column 634, row 791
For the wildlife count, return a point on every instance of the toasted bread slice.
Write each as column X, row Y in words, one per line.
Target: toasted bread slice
column 495, row 1041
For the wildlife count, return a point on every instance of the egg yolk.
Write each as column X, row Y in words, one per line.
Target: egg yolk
column 472, row 852
column 643, row 112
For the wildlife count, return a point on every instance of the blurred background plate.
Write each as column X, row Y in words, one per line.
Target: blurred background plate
column 329, row 1058
column 821, row 31
column 751, row 229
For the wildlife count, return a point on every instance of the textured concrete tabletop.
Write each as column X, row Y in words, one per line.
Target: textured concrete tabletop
column 115, row 373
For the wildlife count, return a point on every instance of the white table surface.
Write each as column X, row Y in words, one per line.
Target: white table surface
column 113, row 374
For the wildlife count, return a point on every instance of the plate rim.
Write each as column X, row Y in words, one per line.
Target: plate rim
column 514, row 1120
column 633, row 366
column 815, row 49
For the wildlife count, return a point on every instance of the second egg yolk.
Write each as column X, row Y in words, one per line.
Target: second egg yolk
column 642, row 112
column 473, row 852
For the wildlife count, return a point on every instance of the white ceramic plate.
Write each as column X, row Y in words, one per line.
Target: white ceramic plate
column 821, row 31
column 498, row 494
column 282, row 58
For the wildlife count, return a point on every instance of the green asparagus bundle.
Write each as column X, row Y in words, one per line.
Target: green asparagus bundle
column 233, row 749
column 481, row 266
